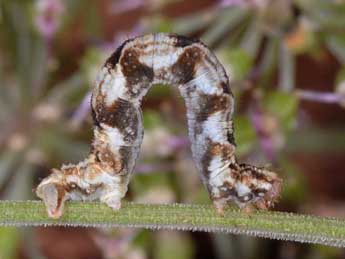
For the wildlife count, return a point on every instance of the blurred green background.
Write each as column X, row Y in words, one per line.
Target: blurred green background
column 286, row 60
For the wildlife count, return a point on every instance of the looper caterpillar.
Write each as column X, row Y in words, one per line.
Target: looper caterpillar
column 120, row 86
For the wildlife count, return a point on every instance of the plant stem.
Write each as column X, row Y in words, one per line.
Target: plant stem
column 268, row 224
column 323, row 97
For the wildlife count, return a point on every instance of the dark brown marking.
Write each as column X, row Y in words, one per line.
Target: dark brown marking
column 108, row 158
column 234, row 166
column 115, row 57
column 182, row 41
column 226, row 88
column 99, row 104
column 121, row 115
column 184, row 68
column 61, row 192
column 231, row 138
column 126, row 119
column 230, row 134
column 133, row 69
column 245, row 198
column 213, row 150
column 226, row 192
column 223, row 150
column 254, row 172
column 76, row 188
column 126, row 156
column 258, row 191
column 94, row 118
column 206, row 159
column 210, row 104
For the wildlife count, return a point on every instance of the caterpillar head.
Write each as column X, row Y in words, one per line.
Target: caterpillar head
column 53, row 194
column 250, row 186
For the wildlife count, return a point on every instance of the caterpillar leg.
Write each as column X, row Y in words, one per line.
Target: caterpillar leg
column 88, row 180
column 246, row 185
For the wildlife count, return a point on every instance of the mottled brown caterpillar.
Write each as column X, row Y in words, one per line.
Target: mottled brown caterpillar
column 120, row 86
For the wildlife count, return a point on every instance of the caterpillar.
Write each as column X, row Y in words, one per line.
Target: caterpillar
column 125, row 78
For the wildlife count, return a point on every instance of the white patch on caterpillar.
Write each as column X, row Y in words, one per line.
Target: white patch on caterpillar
column 115, row 137
column 204, row 83
column 147, row 58
column 242, row 189
column 213, row 128
column 219, row 172
column 165, row 57
column 114, row 87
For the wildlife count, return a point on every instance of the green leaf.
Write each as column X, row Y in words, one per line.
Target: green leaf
column 245, row 136
column 9, row 239
column 295, row 185
column 159, row 91
column 240, row 63
column 182, row 248
column 91, row 62
column 144, row 239
column 92, row 20
column 284, row 106
column 142, row 183
column 151, row 119
column 340, row 76
column 161, row 24
column 336, row 44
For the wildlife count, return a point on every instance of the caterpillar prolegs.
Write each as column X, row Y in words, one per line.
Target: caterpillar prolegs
column 120, row 86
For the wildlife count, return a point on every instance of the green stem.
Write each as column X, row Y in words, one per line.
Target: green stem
column 268, row 224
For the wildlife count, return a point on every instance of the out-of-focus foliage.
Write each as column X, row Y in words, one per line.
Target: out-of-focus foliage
column 51, row 50
column 9, row 238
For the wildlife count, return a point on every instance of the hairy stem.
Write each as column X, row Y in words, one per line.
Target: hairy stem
column 268, row 224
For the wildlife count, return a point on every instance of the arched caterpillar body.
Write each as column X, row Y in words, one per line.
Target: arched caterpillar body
column 120, row 86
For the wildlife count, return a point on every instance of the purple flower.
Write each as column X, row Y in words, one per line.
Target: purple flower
column 48, row 17
column 246, row 3
column 268, row 132
column 82, row 111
